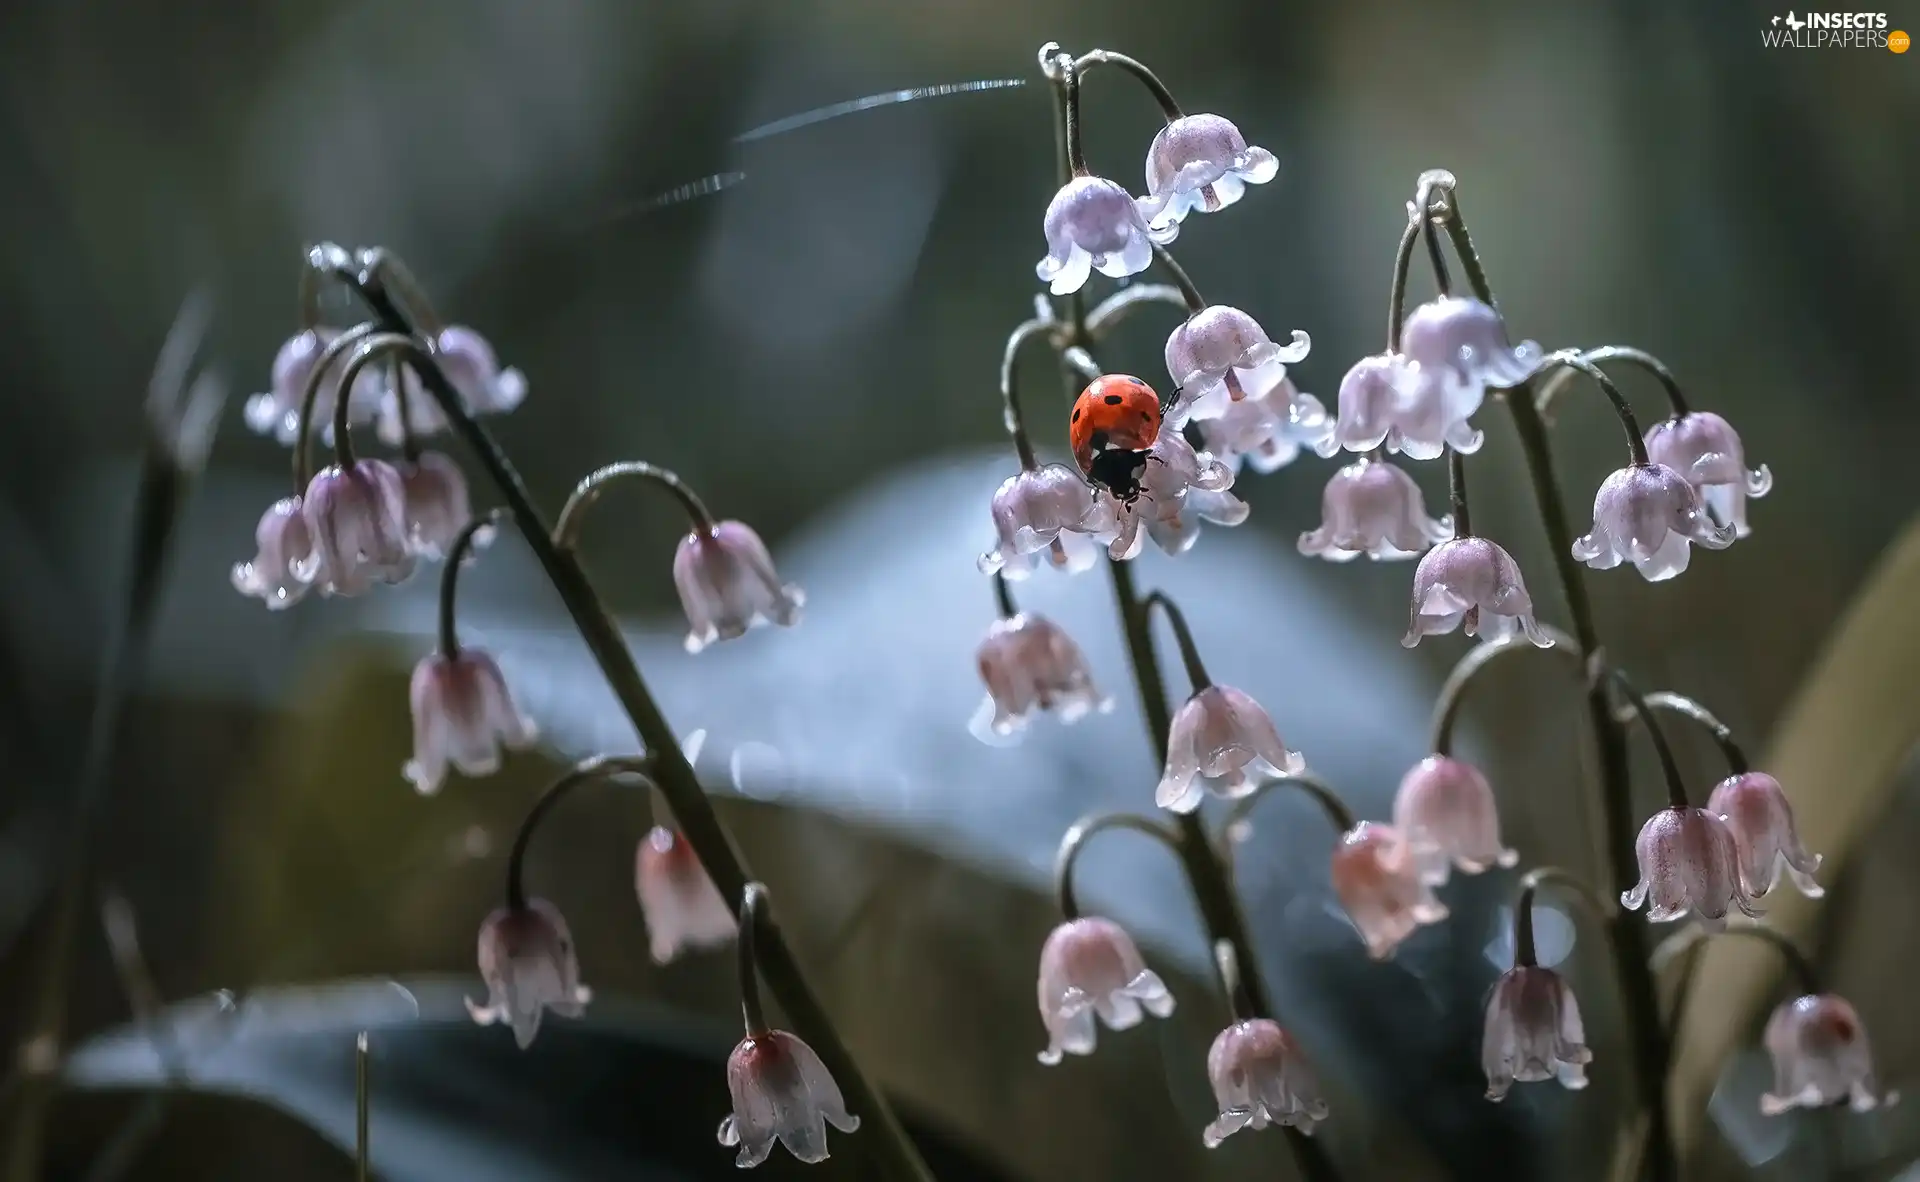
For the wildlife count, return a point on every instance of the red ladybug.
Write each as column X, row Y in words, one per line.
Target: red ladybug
column 1115, row 421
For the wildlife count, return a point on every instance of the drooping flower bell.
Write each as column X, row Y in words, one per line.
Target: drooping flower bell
column 463, row 715
column 1220, row 356
column 1090, row 966
column 1460, row 350
column 1648, row 514
column 475, row 374
column 1259, row 1078
column 357, row 516
column 1179, row 489
column 1820, row 1057
column 1756, row 810
column 277, row 411
column 1268, row 432
column 528, row 962
column 1048, row 510
column 1474, row 585
column 682, row 905
column 437, row 506
column 1092, row 224
column 284, row 542
column 1224, row 740
column 1688, row 863
column 781, row 1092
column 1374, row 508
column 1200, row 163
column 1029, row 663
column 1704, row 448
column 1376, row 876
column 727, row 584
column 1370, row 404
column 1446, row 810
column 1533, row 1032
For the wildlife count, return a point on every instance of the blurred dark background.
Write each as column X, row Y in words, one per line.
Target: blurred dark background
column 816, row 350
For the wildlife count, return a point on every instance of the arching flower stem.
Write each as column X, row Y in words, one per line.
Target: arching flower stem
column 1183, row 637
column 1551, row 387
column 463, row 543
column 566, row 530
column 1147, row 78
column 595, row 767
column 1685, row 707
column 310, row 398
column 1457, row 493
column 1669, row 767
column 1530, row 884
column 1075, row 839
column 1446, row 706
column 1016, row 420
column 1188, row 292
column 1622, row 409
column 753, row 906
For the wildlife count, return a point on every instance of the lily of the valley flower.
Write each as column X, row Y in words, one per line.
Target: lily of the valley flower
column 1222, row 739
column 1268, row 431
column 1533, row 1032
column 1200, row 163
column 475, row 374
column 1648, row 514
column 1459, row 349
column 1371, row 507
column 1376, row 876
column 284, row 542
column 1820, row 1057
column 277, row 412
column 1030, row 663
column 781, row 1092
column 357, row 515
column 1704, row 448
column 462, row 715
column 1688, row 862
column 1179, row 488
column 529, row 965
column 1377, row 408
column 1259, row 1078
column 437, row 507
column 683, row 907
column 1446, row 809
column 1092, row 224
column 1088, row 967
column 1221, row 356
column 727, row 584
column 1474, row 585
column 1047, row 510
column 1756, row 810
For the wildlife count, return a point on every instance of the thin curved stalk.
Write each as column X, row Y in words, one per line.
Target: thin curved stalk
column 1669, row 766
column 1197, row 678
column 892, row 1150
column 1530, row 884
column 1016, row 421
column 1553, row 387
column 1453, row 693
column 1189, row 293
column 1322, row 792
column 1075, row 839
column 597, row 767
column 1685, row 707
column 1622, row 409
column 310, row 397
column 1108, row 313
column 463, row 543
column 753, row 909
column 1147, row 78
column 566, row 530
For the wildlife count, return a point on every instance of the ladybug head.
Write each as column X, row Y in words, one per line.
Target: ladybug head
column 1119, row 472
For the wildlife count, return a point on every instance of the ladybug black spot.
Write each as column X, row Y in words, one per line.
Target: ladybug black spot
column 1147, row 415
column 1114, row 400
column 1076, row 414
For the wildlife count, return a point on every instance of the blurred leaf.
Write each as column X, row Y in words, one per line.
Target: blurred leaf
column 1837, row 751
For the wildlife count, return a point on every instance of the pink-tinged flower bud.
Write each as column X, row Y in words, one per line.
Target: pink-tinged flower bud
column 1460, row 346
column 284, row 542
column 1179, row 489
column 1221, row 356
column 1474, row 585
column 1030, row 663
column 473, row 371
column 358, row 519
column 1446, row 809
column 1268, row 431
column 1372, row 507
column 1756, row 810
column 1041, row 511
column 1376, row 877
column 528, row 962
column 727, row 585
column 1260, row 1078
column 1089, row 966
column 1702, row 447
column 1648, row 514
column 1820, row 1057
column 1222, row 734
column 1200, row 162
column 277, row 412
column 462, row 715
column 1688, row 862
column 1387, row 400
column 781, row 1092
column 1091, row 225
column 1533, row 1032
column 682, row 905
column 437, row 508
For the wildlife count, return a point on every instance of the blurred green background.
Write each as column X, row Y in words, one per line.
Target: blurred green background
column 821, row 342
